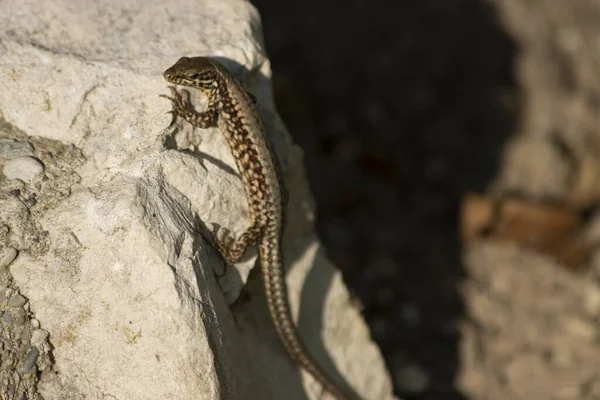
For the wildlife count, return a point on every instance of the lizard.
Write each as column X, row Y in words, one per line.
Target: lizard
column 233, row 110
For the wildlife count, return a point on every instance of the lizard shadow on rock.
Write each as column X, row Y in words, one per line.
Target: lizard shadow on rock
column 201, row 156
column 401, row 108
column 313, row 295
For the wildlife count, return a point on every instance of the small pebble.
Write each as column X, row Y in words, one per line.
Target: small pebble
column 562, row 354
column 17, row 301
column 26, row 334
column 7, row 318
column 581, row 329
column 24, row 168
column 8, row 256
column 38, row 336
column 592, row 299
column 30, row 360
column 19, row 316
column 35, row 323
column 594, row 389
column 568, row 393
column 14, row 148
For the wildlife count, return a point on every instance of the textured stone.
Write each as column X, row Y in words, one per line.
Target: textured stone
column 113, row 253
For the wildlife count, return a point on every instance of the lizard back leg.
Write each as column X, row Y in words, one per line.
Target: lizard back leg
column 232, row 250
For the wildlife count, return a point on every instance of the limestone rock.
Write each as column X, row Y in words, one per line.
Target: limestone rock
column 114, row 246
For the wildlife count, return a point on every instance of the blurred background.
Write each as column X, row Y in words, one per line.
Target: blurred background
column 403, row 109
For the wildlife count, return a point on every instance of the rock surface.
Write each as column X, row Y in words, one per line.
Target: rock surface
column 532, row 332
column 113, row 257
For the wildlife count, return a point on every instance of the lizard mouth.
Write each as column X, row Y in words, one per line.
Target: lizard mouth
column 176, row 80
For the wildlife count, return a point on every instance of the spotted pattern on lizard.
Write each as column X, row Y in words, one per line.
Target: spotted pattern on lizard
column 232, row 109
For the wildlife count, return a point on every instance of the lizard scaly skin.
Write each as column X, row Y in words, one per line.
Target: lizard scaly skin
column 232, row 109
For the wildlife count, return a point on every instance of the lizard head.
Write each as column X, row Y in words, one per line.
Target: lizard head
column 199, row 72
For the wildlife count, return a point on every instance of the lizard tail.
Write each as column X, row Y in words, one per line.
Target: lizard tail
column 279, row 307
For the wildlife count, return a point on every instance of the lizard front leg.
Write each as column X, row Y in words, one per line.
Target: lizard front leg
column 184, row 109
column 231, row 250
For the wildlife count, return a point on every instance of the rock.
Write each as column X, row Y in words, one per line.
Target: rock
column 580, row 328
column 124, row 278
column 539, row 333
column 592, row 299
column 7, row 318
column 8, row 256
column 17, row 301
column 38, row 336
column 30, row 360
column 11, row 148
column 525, row 368
column 569, row 393
column 24, row 168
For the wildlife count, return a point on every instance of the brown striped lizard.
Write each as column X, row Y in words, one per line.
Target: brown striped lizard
column 232, row 109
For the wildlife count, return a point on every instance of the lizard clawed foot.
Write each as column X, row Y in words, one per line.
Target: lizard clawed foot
column 173, row 116
column 174, row 93
column 177, row 100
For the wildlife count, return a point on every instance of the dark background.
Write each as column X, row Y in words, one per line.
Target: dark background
column 401, row 108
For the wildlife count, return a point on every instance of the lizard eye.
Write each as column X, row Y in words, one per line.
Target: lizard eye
column 195, row 76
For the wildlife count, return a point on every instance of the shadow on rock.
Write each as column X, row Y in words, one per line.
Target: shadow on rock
column 401, row 107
